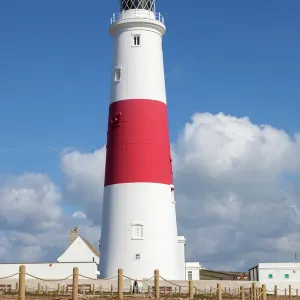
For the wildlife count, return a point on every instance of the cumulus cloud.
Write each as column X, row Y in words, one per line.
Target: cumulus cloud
column 233, row 204
column 79, row 215
column 29, row 202
column 229, row 199
column 84, row 179
column 33, row 224
column 236, row 188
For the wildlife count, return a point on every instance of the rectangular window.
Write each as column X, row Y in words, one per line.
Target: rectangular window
column 270, row 276
column 286, row 276
column 136, row 40
column 137, row 231
column 190, row 275
column 137, row 256
column 117, row 74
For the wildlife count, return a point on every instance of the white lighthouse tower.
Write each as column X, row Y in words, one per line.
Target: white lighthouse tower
column 139, row 228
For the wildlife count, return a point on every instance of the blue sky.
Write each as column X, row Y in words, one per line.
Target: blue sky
column 240, row 58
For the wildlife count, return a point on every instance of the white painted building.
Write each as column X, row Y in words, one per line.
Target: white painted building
column 192, row 271
column 50, row 270
column 181, row 254
column 79, row 250
column 275, row 272
column 80, row 253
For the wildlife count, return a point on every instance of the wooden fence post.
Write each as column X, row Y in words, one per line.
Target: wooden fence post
column 191, row 292
column 58, row 288
column 17, row 287
column 94, row 292
column 156, row 283
column 242, row 290
column 211, row 291
column 149, row 291
column 264, row 292
column 111, row 290
column 219, row 291
column 253, row 291
column 290, row 291
column 120, row 283
column 275, row 291
column 100, row 290
column 22, row 271
column 75, row 284
column 179, row 290
column 285, row 292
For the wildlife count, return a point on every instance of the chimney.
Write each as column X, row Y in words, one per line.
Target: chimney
column 73, row 235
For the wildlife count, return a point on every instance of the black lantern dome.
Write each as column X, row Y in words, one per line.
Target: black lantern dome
column 137, row 4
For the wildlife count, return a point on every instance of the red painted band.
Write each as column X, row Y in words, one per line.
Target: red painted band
column 138, row 143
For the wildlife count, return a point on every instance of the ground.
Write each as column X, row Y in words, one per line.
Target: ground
column 129, row 297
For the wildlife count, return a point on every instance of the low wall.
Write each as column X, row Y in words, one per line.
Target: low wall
column 50, row 270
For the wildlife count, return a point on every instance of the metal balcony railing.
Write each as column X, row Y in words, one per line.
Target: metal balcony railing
column 137, row 13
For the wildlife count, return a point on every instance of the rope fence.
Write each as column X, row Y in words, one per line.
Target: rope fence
column 154, row 289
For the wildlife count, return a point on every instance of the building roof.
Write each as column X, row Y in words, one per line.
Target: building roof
column 91, row 246
column 220, row 275
column 74, row 234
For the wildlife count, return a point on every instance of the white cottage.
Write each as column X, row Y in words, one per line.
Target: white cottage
column 275, row 272
column 80, row 253
column 192, row 270
column 79, row 250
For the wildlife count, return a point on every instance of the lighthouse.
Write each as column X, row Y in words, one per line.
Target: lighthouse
column 139, row 227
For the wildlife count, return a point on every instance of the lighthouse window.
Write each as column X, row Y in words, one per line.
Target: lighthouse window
column 136, row 40
column 117, row 74
column 137, row 231
column 137, row 256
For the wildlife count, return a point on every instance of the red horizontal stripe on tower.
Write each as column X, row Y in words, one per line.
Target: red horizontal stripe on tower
column 138, row 144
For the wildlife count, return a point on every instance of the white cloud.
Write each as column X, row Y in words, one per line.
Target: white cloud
column 226, row 174
column 33, row 225
column 84, row 178
column 79, row 215
column 29, row 202
column 229, row 203
column 236, row 187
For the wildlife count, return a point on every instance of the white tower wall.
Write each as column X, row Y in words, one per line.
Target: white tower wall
column 142, row 67
column 139, row 228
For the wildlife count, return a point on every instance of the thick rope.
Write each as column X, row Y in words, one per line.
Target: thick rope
column 61, row 279
column 145, row 280
column 9, row 276
column 173, row 283
column 236, row 294
column 98, row 278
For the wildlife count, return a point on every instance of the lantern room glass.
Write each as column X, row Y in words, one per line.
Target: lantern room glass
column 138, row 4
